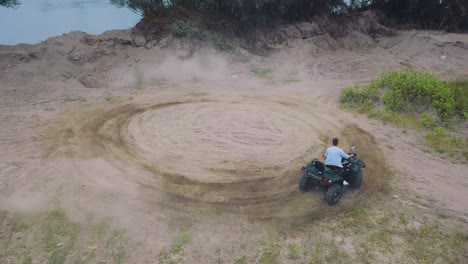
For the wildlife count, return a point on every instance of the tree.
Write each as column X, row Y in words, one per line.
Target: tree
column 425, row 14
column 9, row 3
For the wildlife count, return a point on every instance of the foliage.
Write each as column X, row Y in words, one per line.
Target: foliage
column 9, row 3
column 427, row 14
column 399, row 97
column 221, row 43
column 408, row 88
column 357, row 96
column 182, row 29
column 459, row 90
column 261, row 12
column 403, row 91
column 428, row 121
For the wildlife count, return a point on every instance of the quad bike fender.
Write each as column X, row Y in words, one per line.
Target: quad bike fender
column 333, row 177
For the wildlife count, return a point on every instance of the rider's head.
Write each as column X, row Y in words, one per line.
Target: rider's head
column 335, row 142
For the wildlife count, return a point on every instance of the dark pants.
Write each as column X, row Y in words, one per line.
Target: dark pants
column 335, row 168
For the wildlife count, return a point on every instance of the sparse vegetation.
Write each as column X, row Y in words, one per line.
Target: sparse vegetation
column 266, row 73
column 53, row 238
column 184, row 239
column 59, row 236
column 459, row 89
column 171, row 256
column 376, row 234
column 294, row 251
column 270, row 254
column 183, row 29
column 222, row 43
column 444, row 142
column 241, row 260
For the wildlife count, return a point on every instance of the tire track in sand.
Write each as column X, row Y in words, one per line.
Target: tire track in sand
column 241, row 153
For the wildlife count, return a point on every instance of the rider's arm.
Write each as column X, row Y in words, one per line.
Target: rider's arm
column 344, row 155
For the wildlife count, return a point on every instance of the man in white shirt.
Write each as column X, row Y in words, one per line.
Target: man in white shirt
column 334, row 155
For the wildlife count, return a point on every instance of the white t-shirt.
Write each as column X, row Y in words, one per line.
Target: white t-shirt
column 334, row 156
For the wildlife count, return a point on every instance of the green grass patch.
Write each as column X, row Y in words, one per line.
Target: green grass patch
column 59, row 236
column 446, row 142
column 52, row 238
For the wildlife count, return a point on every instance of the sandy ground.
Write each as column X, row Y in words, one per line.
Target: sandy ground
column 154, row 144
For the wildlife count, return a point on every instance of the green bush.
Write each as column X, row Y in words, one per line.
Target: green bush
column 407, row 89
column 353, row 95
column 404, row 91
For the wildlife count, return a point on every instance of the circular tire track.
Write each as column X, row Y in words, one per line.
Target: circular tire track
column 241, row 153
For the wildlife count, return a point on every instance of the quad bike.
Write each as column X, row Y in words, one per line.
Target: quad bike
column 316, row 174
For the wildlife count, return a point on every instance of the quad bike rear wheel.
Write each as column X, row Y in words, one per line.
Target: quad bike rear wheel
column 333, row 194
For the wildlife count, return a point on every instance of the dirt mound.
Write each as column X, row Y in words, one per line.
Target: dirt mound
column 326, row 33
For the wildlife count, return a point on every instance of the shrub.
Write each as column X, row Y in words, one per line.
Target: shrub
column 459, row 91
column 221, row 43
column 428, row 121
column 353, row 95
column 411, row 88
column 182, row 29
column 404, row 91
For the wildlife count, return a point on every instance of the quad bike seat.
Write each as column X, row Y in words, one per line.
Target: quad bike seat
column 334, row 168
column 318, row 165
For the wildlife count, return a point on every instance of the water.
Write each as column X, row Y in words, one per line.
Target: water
column 36, row 20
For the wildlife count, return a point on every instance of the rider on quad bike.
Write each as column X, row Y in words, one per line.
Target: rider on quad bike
column 340, row 170
column 334, row 155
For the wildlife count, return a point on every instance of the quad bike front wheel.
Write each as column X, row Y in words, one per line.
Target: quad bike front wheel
column 358, row 180
column 304, row 184
column 333, row 194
